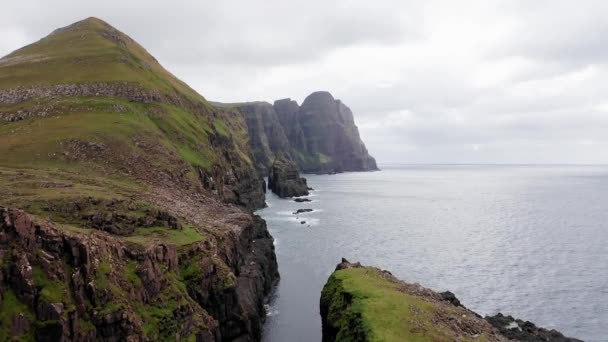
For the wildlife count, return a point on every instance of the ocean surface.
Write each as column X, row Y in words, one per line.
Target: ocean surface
column 530, row 241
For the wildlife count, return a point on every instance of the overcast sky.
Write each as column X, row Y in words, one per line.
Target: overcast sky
column 428, row 81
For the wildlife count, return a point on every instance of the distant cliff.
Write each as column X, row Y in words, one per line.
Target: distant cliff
column 321, row 135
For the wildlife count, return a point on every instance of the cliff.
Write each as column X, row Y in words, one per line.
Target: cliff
column 125, row 212
column 284, row 179
column 321, row 135
column 368, row 304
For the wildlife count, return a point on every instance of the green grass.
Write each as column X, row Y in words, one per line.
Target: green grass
column 11, row 306
column 376, row 309
column 88, row 53
column 186, row 236
column 131, row 275
column 102, row 277
column 51, row 291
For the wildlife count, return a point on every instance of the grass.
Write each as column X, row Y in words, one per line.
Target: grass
column 90, row 51
column 366, row 305
column 51, row 291
column 130, row 273
column 186, row 236
column 11, row 306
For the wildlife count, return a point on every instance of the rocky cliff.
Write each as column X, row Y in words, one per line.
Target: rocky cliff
column 126, row 198
column 368, row 304
column 321, row 135
column 284, row 179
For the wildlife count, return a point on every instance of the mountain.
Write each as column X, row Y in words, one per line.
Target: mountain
column 126, row 199
column 321, row 135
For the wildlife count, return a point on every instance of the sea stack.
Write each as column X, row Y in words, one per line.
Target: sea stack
column 284, row 179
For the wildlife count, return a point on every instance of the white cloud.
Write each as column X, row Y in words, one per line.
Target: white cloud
column 523, row 81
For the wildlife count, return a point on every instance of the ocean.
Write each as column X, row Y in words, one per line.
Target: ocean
column 529, row 241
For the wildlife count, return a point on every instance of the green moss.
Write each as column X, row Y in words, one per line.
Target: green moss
column 131, row 273
column 159, row 322
column 85, row 325
column 188, row 235
column 11, row 306
column 102, row 277
column 112, row 307
column 220, row 127
column 51, row 291
column 364, row 305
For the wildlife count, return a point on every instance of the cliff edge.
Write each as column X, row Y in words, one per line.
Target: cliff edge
column 368, row 304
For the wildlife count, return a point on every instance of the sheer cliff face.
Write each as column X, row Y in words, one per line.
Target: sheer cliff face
column 125, row 195
column 266, row 134
column 332, row 138
column 322, row 135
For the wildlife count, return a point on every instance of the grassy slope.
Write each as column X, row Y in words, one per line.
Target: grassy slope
column 378, row 310
column 106, row 148
column 88, row 51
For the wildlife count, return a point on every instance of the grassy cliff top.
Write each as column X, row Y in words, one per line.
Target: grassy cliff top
column 367, row 304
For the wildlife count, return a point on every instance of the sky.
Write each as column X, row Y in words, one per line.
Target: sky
column 428, row 81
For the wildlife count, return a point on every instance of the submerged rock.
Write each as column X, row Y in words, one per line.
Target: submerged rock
column 284, row 179
column 300, row 211
column 300, row 200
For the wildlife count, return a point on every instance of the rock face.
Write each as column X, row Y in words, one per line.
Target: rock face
column 94, row 286
column 368, row 304
column 126, row 201
column 321, row 135
column 267, row 137
column 284, row 179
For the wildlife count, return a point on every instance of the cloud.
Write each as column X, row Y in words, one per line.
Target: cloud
column 434, row 81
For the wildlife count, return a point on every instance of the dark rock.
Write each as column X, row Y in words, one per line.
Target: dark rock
column 450, row 297
column 300, row 200
column 345, row 264
column 299, row 211
column 302, row 222
column 525, row 331
column 284, row 179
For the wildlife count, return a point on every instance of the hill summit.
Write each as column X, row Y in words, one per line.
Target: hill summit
column 126, row 201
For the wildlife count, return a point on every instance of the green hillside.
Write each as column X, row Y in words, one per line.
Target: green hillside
column 111, row 156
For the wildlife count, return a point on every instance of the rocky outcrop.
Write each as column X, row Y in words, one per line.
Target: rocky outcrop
column 93, row 286
column 321, row 135
column 361, row 303
column 284, row 179
column 525, row 331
